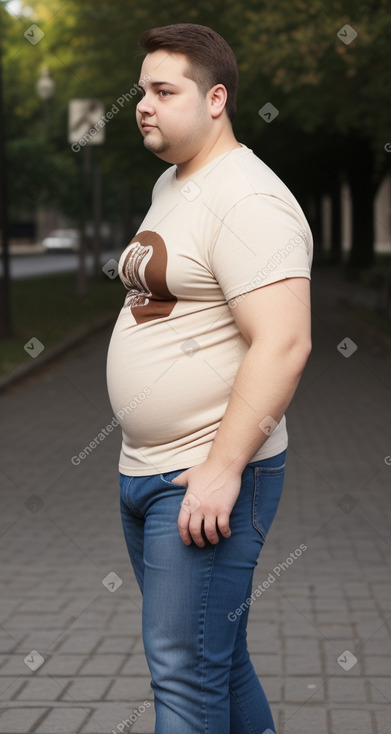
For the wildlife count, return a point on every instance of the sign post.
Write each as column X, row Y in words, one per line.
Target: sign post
column 86, row 127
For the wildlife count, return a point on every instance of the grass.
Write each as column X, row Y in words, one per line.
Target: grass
column 380, row 322
column 48, row 307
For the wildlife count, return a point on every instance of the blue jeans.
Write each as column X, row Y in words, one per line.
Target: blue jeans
column 195, row 612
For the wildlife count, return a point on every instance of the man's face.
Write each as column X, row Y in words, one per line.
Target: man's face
column 172, row 115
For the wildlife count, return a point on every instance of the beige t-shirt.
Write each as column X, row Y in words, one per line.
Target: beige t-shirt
column 175, row 349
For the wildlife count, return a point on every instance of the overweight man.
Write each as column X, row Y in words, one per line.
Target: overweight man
column 208, row 349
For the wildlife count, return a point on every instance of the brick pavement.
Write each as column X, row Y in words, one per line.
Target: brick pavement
column 60, row 536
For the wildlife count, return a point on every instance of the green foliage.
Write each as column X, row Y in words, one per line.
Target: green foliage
column 288, row 53
column 47, row 306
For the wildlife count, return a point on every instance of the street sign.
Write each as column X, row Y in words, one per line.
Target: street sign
column 86, row 123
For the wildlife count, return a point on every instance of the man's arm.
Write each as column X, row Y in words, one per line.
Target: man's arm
column 275, row 320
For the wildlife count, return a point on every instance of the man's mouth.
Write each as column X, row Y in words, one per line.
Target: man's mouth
column 146, row 126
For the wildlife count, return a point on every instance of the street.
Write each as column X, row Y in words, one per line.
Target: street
column 70, row 609
column 42, row 263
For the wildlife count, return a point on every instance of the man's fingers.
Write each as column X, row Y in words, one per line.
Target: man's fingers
column 196, row 530
column 223, row 525
column 193, row 526
column 210, row 530
column 183, row 527
column 215, row 525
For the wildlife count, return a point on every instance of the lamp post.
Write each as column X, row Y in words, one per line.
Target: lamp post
column 45, row 88
column 5, row 315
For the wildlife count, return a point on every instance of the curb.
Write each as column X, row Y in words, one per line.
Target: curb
column 26, row 369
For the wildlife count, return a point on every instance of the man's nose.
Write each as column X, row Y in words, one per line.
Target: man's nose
column 145, row 106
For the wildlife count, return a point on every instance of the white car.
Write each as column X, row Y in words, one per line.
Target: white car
column 62, row 239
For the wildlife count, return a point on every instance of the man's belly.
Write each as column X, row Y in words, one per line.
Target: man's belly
column 164, row 389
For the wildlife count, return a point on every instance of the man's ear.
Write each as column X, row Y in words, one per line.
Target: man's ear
column 217, row 96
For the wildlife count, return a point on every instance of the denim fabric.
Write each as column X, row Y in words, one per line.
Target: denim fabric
column 195, row 644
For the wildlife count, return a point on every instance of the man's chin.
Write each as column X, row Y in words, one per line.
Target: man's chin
column 162, row 150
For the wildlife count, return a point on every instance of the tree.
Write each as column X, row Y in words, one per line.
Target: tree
column 328, row 86
column 331, row 91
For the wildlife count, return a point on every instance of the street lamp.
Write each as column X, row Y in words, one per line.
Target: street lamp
column 45, row 87
column 5, row 312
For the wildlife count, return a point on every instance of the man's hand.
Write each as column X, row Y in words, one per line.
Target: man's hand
column 208, row 503
column 263, row 388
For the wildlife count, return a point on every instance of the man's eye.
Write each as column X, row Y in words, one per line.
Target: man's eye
column 164, row 92
column 140, row 91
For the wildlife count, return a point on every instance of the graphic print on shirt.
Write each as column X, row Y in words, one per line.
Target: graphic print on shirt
column 144, row 275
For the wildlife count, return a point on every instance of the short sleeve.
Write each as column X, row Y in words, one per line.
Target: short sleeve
column 262, row 239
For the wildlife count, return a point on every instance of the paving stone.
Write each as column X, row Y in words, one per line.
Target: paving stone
column 299, row 689
column 263, row 644
column 366, row 631
column 7, row 644
column 106, row 716
column 332, row 667
column 357, row 590
column 335, row 597
column 377, row 665
column 87, row 689
column 10, row 687
column 79, row 641
column 20, row 720
column 297, row 645
column 135, row 665
column 14, row 665
column 103, row 664
column 351, row 721
column 331, row 618
column 364, row 604
column 304, row 664
column 267, row 664
column 383, row 721
column 64, row 720
column 272, row 687
column 28, row 621
column 299, row 628
column 36, row 606
column 347, row 690
column 145, row 724
column 376, row 646
column 130, row 621
column 116, row 643
column 41, row 689
column 59, row 665
column 379, row 689
column 331, row 631
column 309, row 718
column 139, row 646
column 129, row 688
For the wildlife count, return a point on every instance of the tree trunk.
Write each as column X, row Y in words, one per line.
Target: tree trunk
column 336, row 224
column 127, row 213
column 314, row 216
column 360, row 170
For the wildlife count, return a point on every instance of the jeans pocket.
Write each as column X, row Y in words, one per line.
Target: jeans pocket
column 268, row 486
column 167, row 477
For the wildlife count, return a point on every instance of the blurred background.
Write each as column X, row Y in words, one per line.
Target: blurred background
column 314, row 104
column 68, row 207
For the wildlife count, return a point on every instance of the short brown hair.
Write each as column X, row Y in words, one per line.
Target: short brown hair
column 211, row 59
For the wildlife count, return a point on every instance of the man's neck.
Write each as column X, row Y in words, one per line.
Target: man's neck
column 184, row 170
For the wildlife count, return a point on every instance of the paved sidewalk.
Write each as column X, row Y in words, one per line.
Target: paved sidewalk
column 70, row 635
